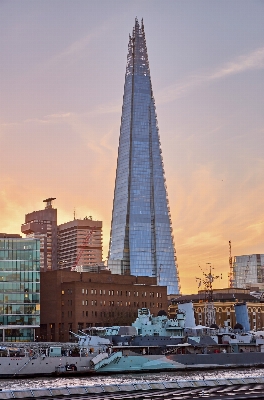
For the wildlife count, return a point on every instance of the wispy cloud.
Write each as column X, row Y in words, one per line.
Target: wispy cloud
column 251, row 61
column 76, row 48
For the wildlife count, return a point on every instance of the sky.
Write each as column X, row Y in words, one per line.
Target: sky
column 61, row 88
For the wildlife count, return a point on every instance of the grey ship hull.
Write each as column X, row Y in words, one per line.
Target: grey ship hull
column 146, row 363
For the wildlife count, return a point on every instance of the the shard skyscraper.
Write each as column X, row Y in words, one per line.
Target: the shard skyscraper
column 141, row 241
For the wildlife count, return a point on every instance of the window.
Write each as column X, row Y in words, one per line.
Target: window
column 92, row 291
column 86, row 302
column 62, row 292
column 83, row 302
column 86, row 313
column 82, row 291
column 62, row 303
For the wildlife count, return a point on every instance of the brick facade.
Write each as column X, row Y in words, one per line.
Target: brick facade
column 71, row 301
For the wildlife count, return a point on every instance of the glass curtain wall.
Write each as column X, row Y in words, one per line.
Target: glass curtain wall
column 248, row 270
column 141, row 241
column 19, row 288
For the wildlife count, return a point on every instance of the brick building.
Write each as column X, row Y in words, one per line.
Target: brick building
column 71, row 301
column 224, row 301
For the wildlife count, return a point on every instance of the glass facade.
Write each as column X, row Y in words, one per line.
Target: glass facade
column 141, row 241
column 19, row 288
column 248, row 270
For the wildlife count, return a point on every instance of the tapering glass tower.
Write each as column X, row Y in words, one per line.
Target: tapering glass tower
column 141, row 241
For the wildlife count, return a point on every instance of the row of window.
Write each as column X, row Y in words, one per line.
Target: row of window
column 120, row 293
column 117, row 303
column 102, row 314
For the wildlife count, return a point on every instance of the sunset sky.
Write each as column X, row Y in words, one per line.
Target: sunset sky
column 61, row 89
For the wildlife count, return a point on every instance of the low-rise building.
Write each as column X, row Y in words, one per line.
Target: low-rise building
column 72, row 301
column 224, row 301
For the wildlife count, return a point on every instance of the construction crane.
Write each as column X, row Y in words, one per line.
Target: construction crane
column 84, row 243
column 231, row 271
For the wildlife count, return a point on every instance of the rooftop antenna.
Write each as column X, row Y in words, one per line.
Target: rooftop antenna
column 74, row 216
column 49, row 202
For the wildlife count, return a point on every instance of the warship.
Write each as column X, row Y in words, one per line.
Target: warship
column 149, row 344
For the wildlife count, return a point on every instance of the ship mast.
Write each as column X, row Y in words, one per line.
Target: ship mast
column 207, row 281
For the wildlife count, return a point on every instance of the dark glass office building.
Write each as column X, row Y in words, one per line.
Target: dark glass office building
column 19, row 288
column 141, row 241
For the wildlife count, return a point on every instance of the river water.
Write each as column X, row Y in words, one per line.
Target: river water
column 31, row 383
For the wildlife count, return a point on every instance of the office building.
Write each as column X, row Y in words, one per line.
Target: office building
column 141, row 240
column 43, row 226
column 80, row 243
column 248, row 271
column 73, row 301
column 19, row 288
